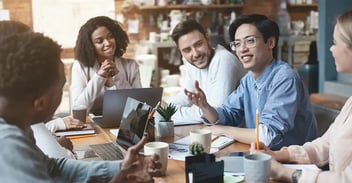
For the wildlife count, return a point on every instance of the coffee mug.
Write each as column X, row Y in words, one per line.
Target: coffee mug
column 201, row 136
column 257, row 168
column 162, row 150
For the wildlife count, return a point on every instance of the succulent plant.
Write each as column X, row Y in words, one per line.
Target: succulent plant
column 167, row 111
column 196, row 148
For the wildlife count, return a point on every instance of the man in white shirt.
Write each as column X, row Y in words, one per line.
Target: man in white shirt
column 217, row 70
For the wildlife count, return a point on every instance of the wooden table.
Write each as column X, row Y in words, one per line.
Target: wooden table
column 175, row 169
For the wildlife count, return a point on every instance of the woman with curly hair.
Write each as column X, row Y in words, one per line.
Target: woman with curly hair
column 99, row 64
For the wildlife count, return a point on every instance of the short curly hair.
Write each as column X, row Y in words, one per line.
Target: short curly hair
column 85, row 51
column 29, row 63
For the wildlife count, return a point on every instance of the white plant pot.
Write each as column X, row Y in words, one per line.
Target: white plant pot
column 165, row 128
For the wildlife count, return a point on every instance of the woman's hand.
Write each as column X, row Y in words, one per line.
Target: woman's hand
column 108, row 69
column 72, row 123
column 278, row 171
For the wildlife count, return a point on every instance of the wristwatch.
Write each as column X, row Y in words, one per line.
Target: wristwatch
column 296, row 175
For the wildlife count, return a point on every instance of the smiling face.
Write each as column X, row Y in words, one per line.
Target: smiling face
column 104, row 43
column 195, row 48
column 341, row 52
column 254, row 56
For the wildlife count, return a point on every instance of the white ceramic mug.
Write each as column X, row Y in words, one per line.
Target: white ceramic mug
column 201, row 136
column 162, row 150
column 257, row 168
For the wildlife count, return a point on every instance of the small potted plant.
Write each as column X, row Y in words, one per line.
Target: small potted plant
column 196, row 149
column 165, row 126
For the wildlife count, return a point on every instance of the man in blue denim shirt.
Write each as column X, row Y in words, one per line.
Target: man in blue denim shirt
column 272, row 87
column 31, row 81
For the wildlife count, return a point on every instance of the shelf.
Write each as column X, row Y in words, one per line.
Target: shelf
column 191, row 7
column 311, row 6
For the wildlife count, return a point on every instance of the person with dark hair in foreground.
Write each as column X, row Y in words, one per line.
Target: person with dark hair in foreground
column 31, row 82
column 271, row 89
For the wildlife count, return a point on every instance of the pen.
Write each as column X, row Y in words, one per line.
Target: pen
column 80, row 136
column 215, row 138
column 151, row 115
column 257, row 129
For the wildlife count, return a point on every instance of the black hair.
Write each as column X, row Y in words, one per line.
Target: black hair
column 29, row 63
column 265, row 26
column 10, row 27
column 85, row 51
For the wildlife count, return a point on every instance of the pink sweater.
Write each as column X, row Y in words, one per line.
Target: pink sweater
column 88, row 91
column 334, row 147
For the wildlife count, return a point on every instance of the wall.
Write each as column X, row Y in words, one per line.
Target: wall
column 21, row 10
column 329, row 79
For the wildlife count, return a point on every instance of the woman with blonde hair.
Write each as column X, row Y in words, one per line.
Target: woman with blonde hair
column 334, row 147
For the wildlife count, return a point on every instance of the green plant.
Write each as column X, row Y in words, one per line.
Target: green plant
column 167, row 111
column 196, row 148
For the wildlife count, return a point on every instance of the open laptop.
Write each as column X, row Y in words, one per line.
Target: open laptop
column 114, row 103
column 133, row 124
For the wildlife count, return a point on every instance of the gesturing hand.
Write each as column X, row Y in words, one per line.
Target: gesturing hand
column 138, row 168
column 197, row 97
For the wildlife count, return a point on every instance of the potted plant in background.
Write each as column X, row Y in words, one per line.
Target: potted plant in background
column 165, row 126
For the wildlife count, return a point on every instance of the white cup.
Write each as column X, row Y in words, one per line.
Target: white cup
column 152, row 37
column 201, row 136
column 257, row 168
column 162, row 150
column 79, row 112
column 173, row 80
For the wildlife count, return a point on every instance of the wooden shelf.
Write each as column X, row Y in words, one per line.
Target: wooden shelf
column 190, row 7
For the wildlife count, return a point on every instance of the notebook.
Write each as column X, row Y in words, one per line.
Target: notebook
column 218, row 142
column 88, row 129
column 133, row 123
column 114, row 102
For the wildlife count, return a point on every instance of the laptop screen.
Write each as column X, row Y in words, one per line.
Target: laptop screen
column 133, row 122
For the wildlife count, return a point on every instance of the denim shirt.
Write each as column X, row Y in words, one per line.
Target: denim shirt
column 22, row 161
column 282, row 99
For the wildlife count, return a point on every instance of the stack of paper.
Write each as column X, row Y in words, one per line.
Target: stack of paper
column 84, row 131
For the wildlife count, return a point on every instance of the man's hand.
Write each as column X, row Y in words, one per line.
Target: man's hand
column 197, row 97
column 65, row 142
column 138, row 168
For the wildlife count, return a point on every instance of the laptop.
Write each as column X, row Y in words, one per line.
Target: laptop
column 115, row 100
column 133, row 124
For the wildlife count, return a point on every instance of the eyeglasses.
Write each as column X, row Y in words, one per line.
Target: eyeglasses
column 249, row 42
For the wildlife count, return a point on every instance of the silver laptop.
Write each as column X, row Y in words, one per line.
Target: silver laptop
column 114, row 102
column 133, row 124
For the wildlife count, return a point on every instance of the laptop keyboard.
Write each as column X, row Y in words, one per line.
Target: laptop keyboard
column 108, row 151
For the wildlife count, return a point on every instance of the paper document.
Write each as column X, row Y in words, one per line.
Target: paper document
column 218, row 142
column 180, row 151
column 302, row 166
